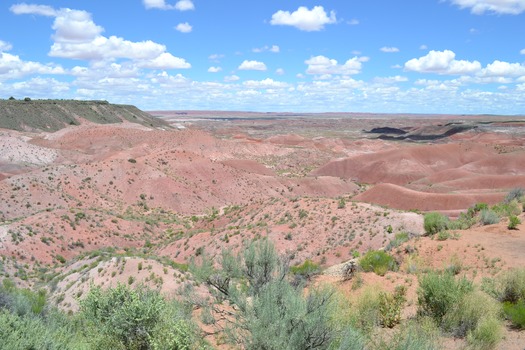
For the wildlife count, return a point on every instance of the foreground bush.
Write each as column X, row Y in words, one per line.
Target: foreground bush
column 269, row 312
column 510, row 287
column 439, row 292
column 391, row 305
column 306, row 269
column 435, row 222
column 486, row 335
column 488, row 217
column 135, row 319
column 465, row 317
column 514, row 221
column 421, row 334
column 377, row 261
column 515, row 313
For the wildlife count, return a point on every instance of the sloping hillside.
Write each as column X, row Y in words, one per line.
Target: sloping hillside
column 53, row 115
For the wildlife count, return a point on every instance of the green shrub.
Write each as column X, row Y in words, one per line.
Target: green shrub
column 306, row 269
column 443, row 235
column 511, row 286
column 390, row 306
column 125, row 314
column 466, row 315
column 508, row 209
column 514, row 194
column 399, row 239
column 487, row 334
column 488, row 217
column 515, row 313
column 435, row 222
column 377, row 261
column 514, row 221
column 438, row 293
column 364, row 312
column 480, row 206
column 420, row 334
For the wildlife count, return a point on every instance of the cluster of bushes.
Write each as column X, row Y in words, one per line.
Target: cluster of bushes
column 512, row 206
column 509, row 289
column 117, row 318
column 255, row 303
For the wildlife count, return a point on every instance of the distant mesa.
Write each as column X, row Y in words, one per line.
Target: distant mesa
column 387, row 130
column 52, row 115
column 427, row 133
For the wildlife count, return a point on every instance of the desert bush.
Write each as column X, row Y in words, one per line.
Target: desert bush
column 466, row 315
column 480, row 206
column 507, row 209
column 364, row 313
column 131, row 318
column 19, row 332
column 399, row 239
column 377, row 261
column 510, row 287
column 390, row 306
column 514, row 194
column 486, row 335
column 306, row 269
column 255, row 284
column 435, row 222
column 488, row 217
column 413, row 264
column 420, row 334
column 438, row 293
column 515, row 313
column 514, row 221
column 463, row 222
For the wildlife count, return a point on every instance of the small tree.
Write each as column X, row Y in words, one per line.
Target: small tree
column 268, row 311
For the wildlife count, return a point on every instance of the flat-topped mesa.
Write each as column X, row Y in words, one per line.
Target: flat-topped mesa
column 53, row 115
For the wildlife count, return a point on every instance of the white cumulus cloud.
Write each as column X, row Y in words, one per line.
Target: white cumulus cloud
column 25, row 9
column 321, row 65
column 266, row 83
column 78, row 37
column 273, row 48
column 479, row 7
column 184, row 27
column 442, row 62
column 503, row 69
column 12, row 67
column 522, row 51
column 252, row 65
column 182, row 5
column 165, row 61
column 389, row 49
column 4, row 46
column 231, row 78
column 214, row 69
column 304, row 19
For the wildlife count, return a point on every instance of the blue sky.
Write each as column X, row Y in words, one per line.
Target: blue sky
column 413, row 56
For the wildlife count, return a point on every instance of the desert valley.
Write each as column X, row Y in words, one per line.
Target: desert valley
column 95, row 194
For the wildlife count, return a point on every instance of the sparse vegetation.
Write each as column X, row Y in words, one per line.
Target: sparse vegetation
column 435, row 222
column 378, row 262
column 488, row 217
column 514, row 221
